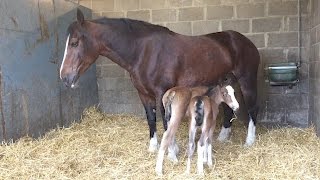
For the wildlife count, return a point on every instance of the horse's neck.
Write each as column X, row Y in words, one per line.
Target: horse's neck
column 119, row 48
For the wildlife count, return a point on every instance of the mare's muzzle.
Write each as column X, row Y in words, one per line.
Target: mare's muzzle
column 70, row 80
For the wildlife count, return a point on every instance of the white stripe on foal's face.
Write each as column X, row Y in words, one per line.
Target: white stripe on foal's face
column 235, row 104
column 65, row 54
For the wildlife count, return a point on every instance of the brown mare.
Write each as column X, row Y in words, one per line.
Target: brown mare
column 159, row 59
column 202, row 105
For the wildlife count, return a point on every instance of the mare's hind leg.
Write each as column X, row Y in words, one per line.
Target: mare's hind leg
column 249, row 92
column 226, row 127
column 150, row 108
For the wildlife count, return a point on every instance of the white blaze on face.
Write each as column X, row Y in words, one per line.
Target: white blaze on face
column 65, row 54
column 235, row 104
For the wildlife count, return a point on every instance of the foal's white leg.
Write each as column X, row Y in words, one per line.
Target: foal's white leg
column 205, row 152
column 200, row 151
column 191, row 146
column 209, row 155
column 251, row 136
column 173, row 150
column 161, row 153
column 224, row 134
column 153, row 145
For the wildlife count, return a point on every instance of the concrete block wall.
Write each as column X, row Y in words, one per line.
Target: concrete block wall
column 271, row 24
column 315, row 64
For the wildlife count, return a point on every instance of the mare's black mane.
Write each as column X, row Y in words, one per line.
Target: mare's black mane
column 132, row 26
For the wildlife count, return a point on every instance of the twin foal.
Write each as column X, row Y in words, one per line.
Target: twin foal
column 201, row 104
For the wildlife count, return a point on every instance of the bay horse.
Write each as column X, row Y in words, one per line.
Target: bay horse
column 158, row 59
column 202, row 105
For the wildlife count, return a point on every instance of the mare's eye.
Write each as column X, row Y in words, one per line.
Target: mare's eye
column 74, row 44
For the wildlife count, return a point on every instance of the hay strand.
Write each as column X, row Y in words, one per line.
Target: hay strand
column 106, row 146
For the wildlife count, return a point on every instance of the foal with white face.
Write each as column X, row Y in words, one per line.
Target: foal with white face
column 204, row 111
column 201, row 103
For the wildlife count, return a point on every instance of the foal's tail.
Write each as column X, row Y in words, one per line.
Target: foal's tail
column 199, row 111
column 167, row 107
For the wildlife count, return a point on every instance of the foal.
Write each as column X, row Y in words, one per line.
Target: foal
column 204, row 111
column 181, row 101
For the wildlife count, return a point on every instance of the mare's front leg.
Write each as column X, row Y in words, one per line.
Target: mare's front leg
column 149, row 104
column 226, row 127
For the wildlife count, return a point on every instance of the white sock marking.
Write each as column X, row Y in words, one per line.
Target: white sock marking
column 209, row 150
column 64, row 55
column 224, row 134
column 188, row 166
column 251, row 136
column 159, row 162
column 153, row 146
column 173, row 150
column 200, row 151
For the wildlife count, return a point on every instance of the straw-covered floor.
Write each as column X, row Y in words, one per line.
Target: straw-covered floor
column 115, row 147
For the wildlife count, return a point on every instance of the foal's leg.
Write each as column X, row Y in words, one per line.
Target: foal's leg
column 149, row 104
column 226, row 127
column 209, row 148
column 173, row 148
column 191, row 145
column 167, row 138
column 201, row 150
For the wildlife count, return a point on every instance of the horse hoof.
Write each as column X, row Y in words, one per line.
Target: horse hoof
column 159, row 172
column 249, row 141
column 224, row 134
column 153, row 144
column 172, row 157
column 153, row 148
column 200, row 173
column 248, row 144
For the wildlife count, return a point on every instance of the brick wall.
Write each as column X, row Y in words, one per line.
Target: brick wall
column 315, row 64
column 271, row 24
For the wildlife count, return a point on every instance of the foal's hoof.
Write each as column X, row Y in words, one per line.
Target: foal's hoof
column 172, row 157
column 201, row 173
column 159, row 172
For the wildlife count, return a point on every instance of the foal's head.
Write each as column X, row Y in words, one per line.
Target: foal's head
column 81, row 51
column 227, row 92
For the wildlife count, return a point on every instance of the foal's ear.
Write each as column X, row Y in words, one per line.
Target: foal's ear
column 228, row 79
column 80, row 17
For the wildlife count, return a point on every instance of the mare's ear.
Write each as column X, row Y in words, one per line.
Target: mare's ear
column 80, row 17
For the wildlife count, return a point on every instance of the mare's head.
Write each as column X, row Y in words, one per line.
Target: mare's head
column 227, row 92
column 81, row 50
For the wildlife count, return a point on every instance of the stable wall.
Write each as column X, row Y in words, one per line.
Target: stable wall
column 315, row 64
column 33, row 100
column 271, row 24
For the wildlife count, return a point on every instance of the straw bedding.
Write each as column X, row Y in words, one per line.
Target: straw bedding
column 106, row 146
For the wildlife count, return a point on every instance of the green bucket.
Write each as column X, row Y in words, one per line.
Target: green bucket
column 282, row 74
